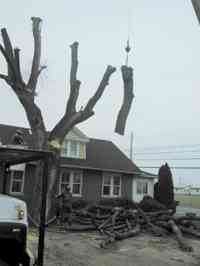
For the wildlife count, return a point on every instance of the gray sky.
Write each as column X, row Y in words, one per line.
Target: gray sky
column 165, row 40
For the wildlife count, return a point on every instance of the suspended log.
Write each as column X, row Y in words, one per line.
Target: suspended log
column 127, row 75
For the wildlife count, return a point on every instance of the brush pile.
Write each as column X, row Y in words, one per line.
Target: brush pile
column 118, row 223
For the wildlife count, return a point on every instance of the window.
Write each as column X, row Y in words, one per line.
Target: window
column 64, row 149
column 65, row 181
column 111, row 186
column 72, row 149
column 17, row 181
column 73, row 179
column 142, row 187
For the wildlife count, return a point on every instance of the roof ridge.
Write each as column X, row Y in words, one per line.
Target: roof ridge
column 14, row 126
column 100, row 139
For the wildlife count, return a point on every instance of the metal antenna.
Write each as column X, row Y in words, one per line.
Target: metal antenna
column 127, row 49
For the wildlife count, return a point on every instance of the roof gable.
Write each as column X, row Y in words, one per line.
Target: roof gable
column 77, row 135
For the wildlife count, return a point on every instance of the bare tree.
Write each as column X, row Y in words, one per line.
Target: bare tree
column 26, row 93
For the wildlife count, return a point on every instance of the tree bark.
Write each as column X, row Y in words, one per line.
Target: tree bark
column 127, row 75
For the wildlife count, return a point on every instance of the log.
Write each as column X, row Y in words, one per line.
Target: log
column 118, row 223
column 115, row 236
column 80, row 228
column 190, row 231
column 181, row 240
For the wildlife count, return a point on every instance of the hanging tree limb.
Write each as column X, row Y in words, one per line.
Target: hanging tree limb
column 127, row 75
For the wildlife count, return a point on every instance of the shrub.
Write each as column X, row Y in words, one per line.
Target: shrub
column 165, row 190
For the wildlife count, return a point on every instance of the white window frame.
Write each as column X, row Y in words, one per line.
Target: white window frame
column 69, row 154
column 63, row 152
column 111, row 176
column 12, row 181
column 71, row 181
column 142, row 183
column 77, row 155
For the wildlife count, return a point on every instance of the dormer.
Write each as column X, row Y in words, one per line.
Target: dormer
column 74, row 145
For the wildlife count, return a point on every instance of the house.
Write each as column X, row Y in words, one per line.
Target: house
column 187, row 190
column 93, row 168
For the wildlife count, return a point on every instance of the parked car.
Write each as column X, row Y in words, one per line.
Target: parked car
column 13, row 231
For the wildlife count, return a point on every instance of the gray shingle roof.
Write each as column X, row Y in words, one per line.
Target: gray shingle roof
column 101, row 154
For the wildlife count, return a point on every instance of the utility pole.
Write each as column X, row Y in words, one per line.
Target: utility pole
column 131, row 147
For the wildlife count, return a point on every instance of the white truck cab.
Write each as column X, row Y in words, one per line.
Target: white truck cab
column 13, row 231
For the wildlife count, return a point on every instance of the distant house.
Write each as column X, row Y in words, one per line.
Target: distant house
column 187, row 190
column 93, row 168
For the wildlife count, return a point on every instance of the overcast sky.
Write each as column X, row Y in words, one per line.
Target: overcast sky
column 165, row 40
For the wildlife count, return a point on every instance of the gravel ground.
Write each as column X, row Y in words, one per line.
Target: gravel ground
column 82, row 249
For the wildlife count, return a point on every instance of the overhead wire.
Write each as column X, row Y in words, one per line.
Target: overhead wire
column 167, row 159
column 172, row 167
column 183, row 146
column 166, row 152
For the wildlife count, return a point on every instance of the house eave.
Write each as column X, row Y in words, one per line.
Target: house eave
column 99, row 169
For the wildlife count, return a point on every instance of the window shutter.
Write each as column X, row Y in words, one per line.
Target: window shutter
column 82, row 151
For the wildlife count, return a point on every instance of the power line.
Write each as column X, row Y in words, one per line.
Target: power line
column 165, row 147
column 169, row 146
column 166, row 152
column 167, row 159
column 173, row 167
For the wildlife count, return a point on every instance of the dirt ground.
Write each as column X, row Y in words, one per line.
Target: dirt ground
column 82, row 249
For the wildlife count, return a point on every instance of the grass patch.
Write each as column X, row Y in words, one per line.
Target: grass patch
column 188, row 201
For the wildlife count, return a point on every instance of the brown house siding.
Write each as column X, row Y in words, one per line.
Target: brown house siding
column 127, row 186
column 92, row 185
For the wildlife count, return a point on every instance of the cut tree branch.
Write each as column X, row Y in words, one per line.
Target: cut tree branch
column 41, row 69
column 4, row 77
column 17, row 65
column 104, row 82
column 11, row 68
column 37, row 54
column 127, row 75
column 9, row 52
column 196, row 6
column 74, row 83
column 67, row 122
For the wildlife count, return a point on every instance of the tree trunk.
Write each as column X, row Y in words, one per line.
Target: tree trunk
column 54, row 170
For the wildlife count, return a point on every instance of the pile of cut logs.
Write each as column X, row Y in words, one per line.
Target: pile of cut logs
column 117, row 223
